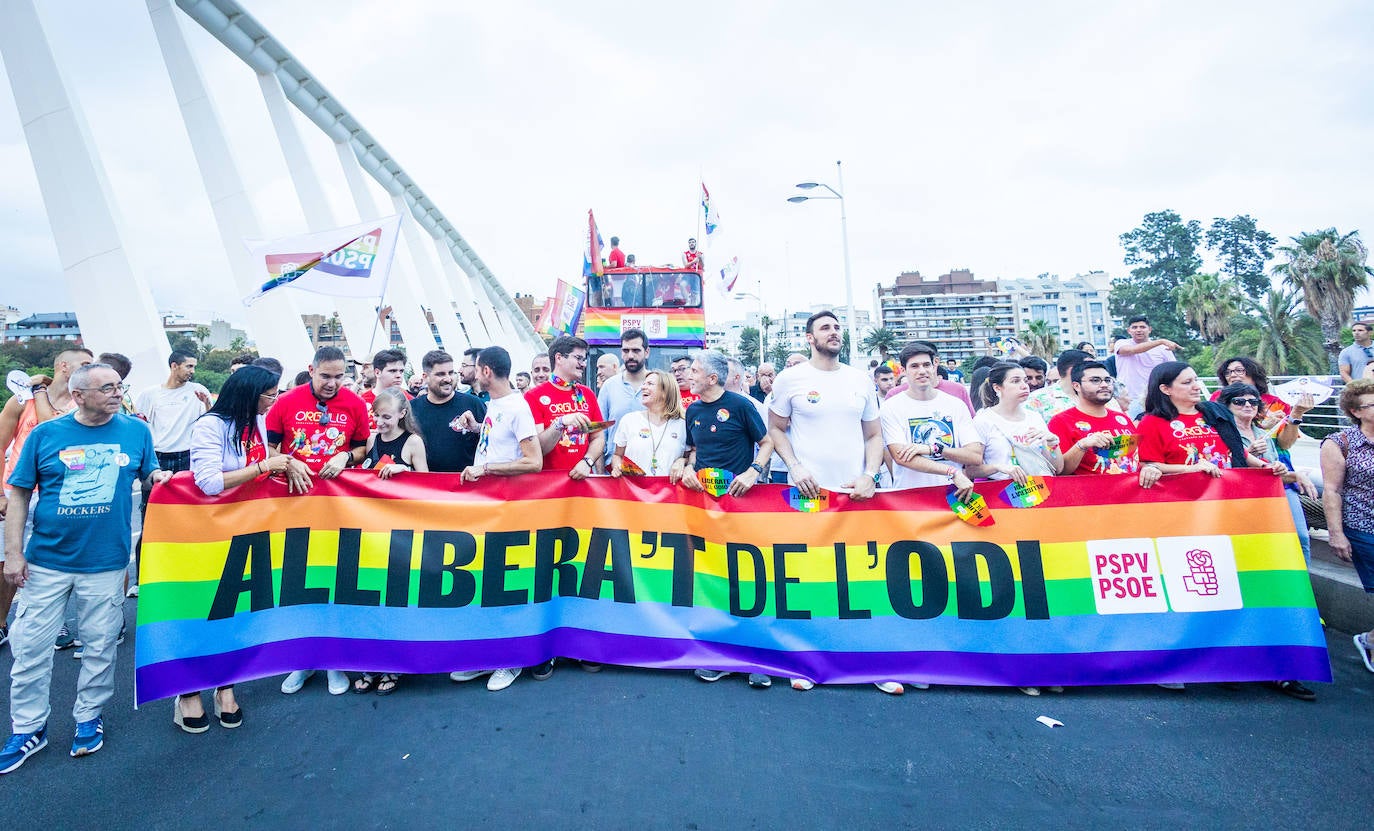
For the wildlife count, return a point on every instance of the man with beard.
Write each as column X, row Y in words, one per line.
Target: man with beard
column 323, row 428
column 467, row 373
column 1095, row 438
column 620, row 393
column 450, row 421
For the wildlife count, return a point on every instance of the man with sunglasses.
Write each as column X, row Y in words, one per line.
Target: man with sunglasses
column 1096, row 439
column 83, row 468
column 563, row 409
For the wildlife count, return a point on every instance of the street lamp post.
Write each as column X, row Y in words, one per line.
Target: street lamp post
column 844, row 238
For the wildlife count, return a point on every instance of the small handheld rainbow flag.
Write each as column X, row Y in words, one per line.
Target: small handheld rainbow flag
column 1036, row 491
column 715, row 480
column 806, row 504
column 973, row 510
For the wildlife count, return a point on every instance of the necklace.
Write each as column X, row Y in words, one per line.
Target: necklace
column 653, row 453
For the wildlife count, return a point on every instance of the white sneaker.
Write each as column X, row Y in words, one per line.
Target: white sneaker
column 338, row 682
column 1171, row 686
column 1362, row 646
column 917, row 685
column 295, row 681
column 801, row 684
column 502, row 678
column 890, row 687
column 468, row 675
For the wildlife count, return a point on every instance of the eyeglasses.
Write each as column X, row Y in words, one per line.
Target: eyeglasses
column 1362, row 407
column 1246, row 402
column 108, row 389
column 1238, row 370
column 1106, row 379
column 270, row 395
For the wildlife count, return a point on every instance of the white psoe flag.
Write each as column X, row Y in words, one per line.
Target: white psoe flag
column 345, row 262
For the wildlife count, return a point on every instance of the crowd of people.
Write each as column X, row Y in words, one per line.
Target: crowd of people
column 78, row 443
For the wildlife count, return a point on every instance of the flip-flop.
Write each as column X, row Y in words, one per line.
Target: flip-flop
column 365, row 683
column 388, row 678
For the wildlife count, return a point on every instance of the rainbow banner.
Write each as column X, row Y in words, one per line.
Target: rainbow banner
column 1194, row 580
column 664, row 326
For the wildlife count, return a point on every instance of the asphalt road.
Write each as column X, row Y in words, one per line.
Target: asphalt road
column 641, row 749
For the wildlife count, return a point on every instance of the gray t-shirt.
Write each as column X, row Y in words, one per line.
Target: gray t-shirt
column 1355, row 357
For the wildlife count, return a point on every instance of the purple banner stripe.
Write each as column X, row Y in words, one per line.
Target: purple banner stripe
column 1241, row 663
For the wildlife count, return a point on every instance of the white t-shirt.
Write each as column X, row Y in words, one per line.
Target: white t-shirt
column 944, row 420
column 1133, row 371
column 1003, row 439
column 827, row 411
column 654, row 449
column 170, row 414
column 775, row 462
column 508, row 422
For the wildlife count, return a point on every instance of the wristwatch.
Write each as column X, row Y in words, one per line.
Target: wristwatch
column 757, row 468
column 877, row 477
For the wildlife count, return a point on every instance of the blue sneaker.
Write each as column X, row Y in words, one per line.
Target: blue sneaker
column 20, row 747
column 90, row 737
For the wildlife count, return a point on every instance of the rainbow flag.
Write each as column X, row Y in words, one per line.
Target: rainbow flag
column 353, row 261
column 1194, row 580
column 665, row 326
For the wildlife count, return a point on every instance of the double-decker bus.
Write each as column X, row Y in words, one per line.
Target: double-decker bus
column 662, row 301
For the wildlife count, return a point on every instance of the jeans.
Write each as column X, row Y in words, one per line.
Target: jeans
column 1300, row 522
column 39, row 605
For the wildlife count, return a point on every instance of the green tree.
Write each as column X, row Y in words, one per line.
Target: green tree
column 778, row 355
column 882, row 340
column 238, row 345
column 1164, row 252
column 1289, row 341
column 36, row 354
column 183, row 342
column 1244, row 251
column 748, row 349
column 1329, row 268
column 1208, row 302
column 765, row 323
column 1041, row 339
column 844, row 348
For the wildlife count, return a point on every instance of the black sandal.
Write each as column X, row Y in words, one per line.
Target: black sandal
column 364, row 684
column 386, row 685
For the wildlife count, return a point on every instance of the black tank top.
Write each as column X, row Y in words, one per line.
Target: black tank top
column 391, row 448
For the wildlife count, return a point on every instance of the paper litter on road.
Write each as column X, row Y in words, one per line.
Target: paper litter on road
column 1050, row 722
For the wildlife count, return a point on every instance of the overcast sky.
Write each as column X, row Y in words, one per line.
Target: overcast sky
column 1007, row 138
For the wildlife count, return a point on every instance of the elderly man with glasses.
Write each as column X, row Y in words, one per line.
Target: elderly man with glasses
column 83, row 468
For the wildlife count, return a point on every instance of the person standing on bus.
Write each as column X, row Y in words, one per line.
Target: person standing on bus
column 616, row 257
column 691, row 258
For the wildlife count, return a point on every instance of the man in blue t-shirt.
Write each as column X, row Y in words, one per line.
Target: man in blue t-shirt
column 83, row 467
column 723, row 428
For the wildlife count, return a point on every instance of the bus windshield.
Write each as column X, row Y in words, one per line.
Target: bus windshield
column 645, row 290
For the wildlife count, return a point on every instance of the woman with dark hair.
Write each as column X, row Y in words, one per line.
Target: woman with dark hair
column 1242, row 370
column 228, row 448
column 1016, row 442
column 1174, row 435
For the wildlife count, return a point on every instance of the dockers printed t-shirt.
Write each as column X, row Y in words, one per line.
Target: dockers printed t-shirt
column 724, row 432
column 508, row 423
column 1118, row 457
column 1182, row 440
column 85, row 477
column 313, row 430
column 556, row 398
column 827, row 410
column 943, row 420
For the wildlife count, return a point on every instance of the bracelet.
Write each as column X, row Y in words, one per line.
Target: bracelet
column 41, row 389
column 260, row 470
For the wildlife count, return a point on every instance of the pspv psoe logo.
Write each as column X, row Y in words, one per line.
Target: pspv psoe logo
column 1182, row 574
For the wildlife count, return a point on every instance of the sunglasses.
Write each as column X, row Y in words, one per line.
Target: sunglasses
column 1246, row 402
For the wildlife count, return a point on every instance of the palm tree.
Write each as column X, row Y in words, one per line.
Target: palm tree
column 990, row 324
column 1041, row 339
column 882, row 339
column 1329, row 268
column 1208, row 302
column 748, row 348
column 958, row 325
column 764, row 323
column 1289, row 340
